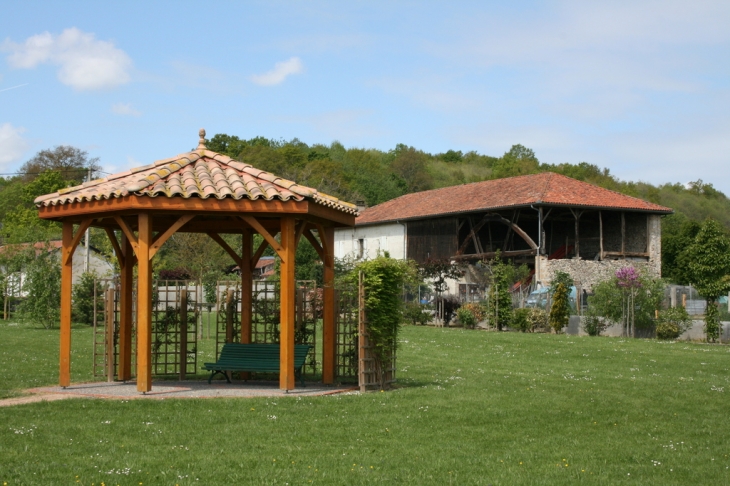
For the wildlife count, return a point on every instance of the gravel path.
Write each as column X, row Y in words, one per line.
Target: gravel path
column 171, row 389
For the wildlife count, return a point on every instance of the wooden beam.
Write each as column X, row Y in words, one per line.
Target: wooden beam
column 115, row 244
column 254, row 223
column 68, row 255
column 623, row 233
column 161, row 238
column 328, row 308
column 236, row 257
column 65, row 331
column 492, row 254
column 144, row 305
column 600, row 235
column 287, row 305
column 638, row 254
column 127, row 232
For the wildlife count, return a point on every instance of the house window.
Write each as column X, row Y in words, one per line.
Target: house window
column 360, row 248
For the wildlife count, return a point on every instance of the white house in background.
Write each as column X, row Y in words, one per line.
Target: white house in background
column 547, row 221
column 97, row 263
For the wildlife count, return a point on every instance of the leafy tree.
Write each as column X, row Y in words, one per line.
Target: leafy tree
column 43, row 289
column 678, row 234
column 709, row 270
column 83, row 298
column 559, row 315
column 672, row 323
column 499, row 298
column 72, row 163
column 22, row 222
column 611, row 299
column 411, row 165
column 518, row 161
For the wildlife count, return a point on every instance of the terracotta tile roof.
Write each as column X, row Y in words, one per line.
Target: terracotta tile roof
column 547, row 188
column 201, row 173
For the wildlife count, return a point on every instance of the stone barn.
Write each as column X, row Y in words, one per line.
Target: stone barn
column 548, row 221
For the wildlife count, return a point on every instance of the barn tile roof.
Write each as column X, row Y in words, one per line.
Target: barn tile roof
column 201, row 173
column 547, row 188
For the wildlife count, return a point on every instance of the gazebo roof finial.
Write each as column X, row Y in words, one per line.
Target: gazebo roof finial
column 201, row 142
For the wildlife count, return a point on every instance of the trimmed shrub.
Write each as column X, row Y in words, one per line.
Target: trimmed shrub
column 539, row 320
column 466, row 317
column 672, row 323
column 593, row 324
column 416, row 314
column 521, row 321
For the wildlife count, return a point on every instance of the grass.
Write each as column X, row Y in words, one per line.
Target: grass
column 472, row 408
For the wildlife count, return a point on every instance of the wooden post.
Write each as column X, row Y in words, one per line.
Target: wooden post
column 286, row 322
column 144, row 304
column 66, row 277
column 183, row 332
column 623, row 235
column 600, row 234
column 246, row 285
column 109, row 334
column 361, row 335
column 328, row 304
column 126, row 283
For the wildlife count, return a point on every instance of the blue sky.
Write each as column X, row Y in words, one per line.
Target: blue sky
column 642, row 88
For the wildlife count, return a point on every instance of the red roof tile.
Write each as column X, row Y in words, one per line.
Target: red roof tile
column 547, row 188
column 201, row 173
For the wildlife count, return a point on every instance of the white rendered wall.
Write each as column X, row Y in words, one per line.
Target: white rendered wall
column 388, row 237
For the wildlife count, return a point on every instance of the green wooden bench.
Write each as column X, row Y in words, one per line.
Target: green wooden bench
column 262, row 358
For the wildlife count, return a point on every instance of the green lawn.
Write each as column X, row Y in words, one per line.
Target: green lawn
column 473, row 407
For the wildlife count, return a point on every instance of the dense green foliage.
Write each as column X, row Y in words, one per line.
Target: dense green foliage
column 499, row 297
column 672, row 323
column 353, row 174
column 708, row 267
column 632, row 305
column 42, row 286
column 83, row 299
column 383, row 281
column 560, row 309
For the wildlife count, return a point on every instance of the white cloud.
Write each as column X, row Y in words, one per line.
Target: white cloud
column 12, row 143
column 280, row 72
column 125, row 109
column 85, row 63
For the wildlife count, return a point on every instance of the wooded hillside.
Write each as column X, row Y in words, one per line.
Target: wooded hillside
column 372, row 176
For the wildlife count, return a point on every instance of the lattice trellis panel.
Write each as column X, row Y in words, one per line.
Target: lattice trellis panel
column 106, row 326
column 174, row 327
column 346, row 312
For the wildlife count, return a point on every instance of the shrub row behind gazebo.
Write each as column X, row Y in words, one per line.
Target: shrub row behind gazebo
column 198, row 192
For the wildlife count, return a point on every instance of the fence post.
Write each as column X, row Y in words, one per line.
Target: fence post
column 361, row 333
column 183, row 332
column 109, row 334
column 229, row 316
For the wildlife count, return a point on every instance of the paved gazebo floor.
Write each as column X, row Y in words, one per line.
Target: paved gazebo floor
column 175, row 389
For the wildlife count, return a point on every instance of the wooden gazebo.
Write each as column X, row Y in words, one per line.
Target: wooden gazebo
column 198, row 192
